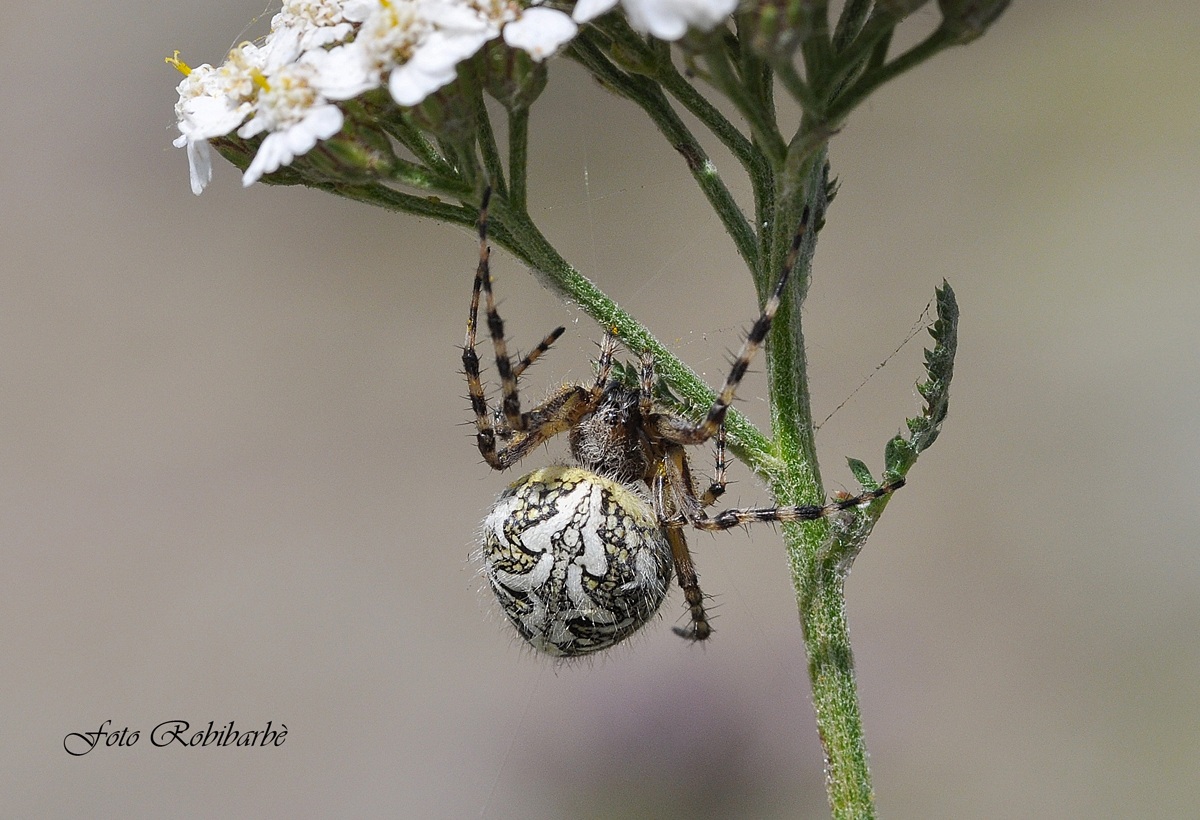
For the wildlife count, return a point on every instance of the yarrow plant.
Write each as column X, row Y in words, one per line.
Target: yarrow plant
column 386, row 102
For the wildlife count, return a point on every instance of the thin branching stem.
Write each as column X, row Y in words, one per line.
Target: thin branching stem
column 488, row 147
column 518, row 156
column 763, row 127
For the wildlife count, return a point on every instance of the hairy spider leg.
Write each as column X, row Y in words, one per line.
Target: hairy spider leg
column 804, row 512
column 552, row 417
column 699, row 433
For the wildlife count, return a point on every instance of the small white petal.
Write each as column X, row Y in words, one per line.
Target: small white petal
column 358, row 10
column 282, row 46
column 670, row 19
column 208, row 117
column 452, row 17
column 410, row 85
column 540, row 32
column 199, row 163
column 344, row 72
column 434, row 65
column 272, row 154
column 324, row 121
column 588, row 10
column 281, row 147
column 442, row 50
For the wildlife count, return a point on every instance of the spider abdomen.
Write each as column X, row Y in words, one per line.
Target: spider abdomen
column 578, row 561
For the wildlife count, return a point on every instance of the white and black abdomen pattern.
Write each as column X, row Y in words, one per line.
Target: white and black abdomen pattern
column 577, row 561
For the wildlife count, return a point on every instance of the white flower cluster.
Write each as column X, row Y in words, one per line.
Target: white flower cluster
column 322, row 51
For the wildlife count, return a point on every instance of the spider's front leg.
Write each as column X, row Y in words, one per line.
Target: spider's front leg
column 523, row 431
column 715, row 418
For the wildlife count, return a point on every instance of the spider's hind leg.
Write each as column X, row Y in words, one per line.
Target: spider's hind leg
column 805, row 512
column 511, row 401
column 685, row 571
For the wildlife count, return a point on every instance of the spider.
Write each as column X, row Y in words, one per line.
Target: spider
column 580, row 555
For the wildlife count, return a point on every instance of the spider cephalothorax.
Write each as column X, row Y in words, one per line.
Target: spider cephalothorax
column 610, row 440
column 580, row 556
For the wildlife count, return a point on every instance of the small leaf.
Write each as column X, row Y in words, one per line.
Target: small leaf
column 862, row 474
column 898, row 457
column 901, row 453
column 939, row 368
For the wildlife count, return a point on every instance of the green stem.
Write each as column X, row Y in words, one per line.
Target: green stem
column 800, row 90
column 422, row 178
column 862, row 88
column 835, row 694
column 699, row 107
column 518, row 156
column 816, row 49
column 766, row 133
column 400, row 127
column 656, row 57
column 746, row 441
column 488, row 146
column 850, row 23
column 819, row 591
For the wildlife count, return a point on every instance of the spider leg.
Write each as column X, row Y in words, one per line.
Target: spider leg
column 524, row 431
column 608, row 348
column 557, row 414
column 685, row 568
column 537, row 352
column 681, row 498
column 511, row 401
column 717, row 488
column 696, row 434
column 485, row 435
column 685, row 571
column 805, row 512
column 646, row 388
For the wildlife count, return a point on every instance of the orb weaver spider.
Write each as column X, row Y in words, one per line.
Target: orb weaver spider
column 580, row 555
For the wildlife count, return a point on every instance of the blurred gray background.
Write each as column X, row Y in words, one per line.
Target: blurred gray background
column 236, row 484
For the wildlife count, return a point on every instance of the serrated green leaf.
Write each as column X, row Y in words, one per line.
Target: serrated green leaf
column 899, row 456
column 939, row 369
column 862, row 474
column 901, row 453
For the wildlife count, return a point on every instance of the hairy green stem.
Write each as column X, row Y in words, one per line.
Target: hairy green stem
column 401, row 128
column 528, row 242
column 819, row 592
column 518, row 155
column 488, row 146
column 847, row 101
column 762, row 126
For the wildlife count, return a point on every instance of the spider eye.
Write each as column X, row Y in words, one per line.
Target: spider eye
column 577, row 561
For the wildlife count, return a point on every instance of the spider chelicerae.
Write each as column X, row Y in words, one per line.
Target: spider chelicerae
column 580, row 555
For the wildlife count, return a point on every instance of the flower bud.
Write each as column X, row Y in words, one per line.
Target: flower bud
column 898, row 8
column 966, row 20
column 356, row 155
column 447, row 114
column 511, row 76
column 778, row 27
column 635, row 62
